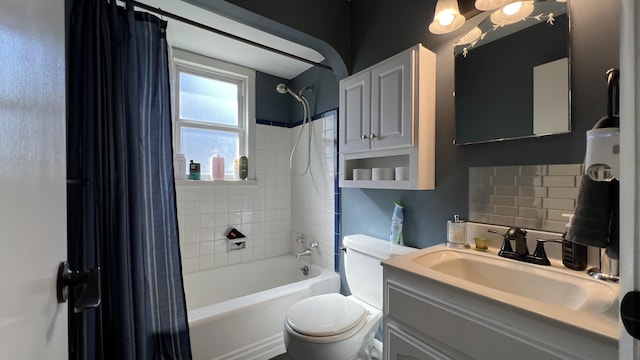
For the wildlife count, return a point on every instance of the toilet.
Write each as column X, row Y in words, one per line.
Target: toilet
column 338, row 327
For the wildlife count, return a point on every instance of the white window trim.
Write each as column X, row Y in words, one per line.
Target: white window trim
column 199, row 63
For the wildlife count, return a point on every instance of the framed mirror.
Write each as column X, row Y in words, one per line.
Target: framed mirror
column 512, row 75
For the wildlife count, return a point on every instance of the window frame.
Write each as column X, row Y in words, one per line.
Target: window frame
column 199, row 65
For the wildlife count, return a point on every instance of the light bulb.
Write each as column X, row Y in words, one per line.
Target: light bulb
column 446, row 18
column 512, row 8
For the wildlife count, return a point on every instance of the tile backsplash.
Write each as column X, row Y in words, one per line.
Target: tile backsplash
column 271, row 212
column 529, row 196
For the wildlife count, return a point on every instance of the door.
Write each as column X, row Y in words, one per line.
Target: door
column 32, row 178
column 629, row 165
column 355, row 113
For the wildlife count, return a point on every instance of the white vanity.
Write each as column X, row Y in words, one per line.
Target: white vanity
column 442, row 303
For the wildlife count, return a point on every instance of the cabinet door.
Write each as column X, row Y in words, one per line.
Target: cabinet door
column 401, row 346
column 355, row 113
column 392, row 99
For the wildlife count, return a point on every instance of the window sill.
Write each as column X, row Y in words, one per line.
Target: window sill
column 216, row 182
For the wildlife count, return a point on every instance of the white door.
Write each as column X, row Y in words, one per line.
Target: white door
column 32, row 178
column 629, row 164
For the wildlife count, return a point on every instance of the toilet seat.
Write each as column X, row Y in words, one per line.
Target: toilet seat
column 329, row 315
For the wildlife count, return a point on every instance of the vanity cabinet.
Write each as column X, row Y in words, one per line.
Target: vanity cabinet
column 425, row 319
column 387, row 119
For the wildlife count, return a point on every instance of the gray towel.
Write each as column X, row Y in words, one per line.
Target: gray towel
column 614, row 229
column 595, row 221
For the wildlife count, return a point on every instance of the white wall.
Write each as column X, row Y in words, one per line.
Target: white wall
column 312, row 195
column 271, row 213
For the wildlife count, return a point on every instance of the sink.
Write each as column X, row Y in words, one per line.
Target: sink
column 489, row 285
column 500, row 278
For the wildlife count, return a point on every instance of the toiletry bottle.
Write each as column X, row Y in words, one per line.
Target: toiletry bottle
column 456, row 234
column 236, row 169
column 180, row 166
column 194, row 171
column 574, row 256
column 396, row 224
column 217, row 166
column 244, row 167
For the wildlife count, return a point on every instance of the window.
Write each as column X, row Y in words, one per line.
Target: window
column 213, row 110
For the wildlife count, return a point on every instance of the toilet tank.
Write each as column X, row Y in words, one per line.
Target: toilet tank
column 362, row 268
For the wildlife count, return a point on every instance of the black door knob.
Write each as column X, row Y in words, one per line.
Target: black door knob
column 630, row 313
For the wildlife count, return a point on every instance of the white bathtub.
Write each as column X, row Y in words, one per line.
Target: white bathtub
column 237, row 311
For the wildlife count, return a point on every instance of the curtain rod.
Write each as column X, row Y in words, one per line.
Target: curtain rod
column 223, row 33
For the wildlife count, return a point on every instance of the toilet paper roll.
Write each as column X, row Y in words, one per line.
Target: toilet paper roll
column 361, row 174
column 382, row 174
column 402, row 173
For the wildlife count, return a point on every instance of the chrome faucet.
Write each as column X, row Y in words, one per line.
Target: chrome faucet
column 307, row 250
column 608, row 270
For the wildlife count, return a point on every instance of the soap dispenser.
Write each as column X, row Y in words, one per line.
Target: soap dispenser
column 574, row 256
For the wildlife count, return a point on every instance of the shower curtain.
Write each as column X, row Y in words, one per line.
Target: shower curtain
column 121, row 193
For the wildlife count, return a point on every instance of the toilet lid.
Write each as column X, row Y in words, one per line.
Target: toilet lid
column 325, row 315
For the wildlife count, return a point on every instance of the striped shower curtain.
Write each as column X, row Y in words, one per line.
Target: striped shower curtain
column 121, row 192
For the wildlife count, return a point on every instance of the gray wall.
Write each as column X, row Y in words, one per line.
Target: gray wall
column 270, row 104
column 273, row 106
column 381, row 28
column 328, row 20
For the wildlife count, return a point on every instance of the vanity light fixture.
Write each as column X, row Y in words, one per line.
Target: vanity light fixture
column 471, row 37
column 484, row 5
column 447, row 17
column 512, row 13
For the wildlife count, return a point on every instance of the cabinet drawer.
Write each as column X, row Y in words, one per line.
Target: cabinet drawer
column 474, row 336
column 402, row 346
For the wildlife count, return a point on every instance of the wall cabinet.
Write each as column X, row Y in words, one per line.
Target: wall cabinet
column 387, row 119
column 424, row 319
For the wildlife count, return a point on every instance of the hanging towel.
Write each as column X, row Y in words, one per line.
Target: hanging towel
column 596, row 217
column 614, row 229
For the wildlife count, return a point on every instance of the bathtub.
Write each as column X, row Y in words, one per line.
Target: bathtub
column 237, row 311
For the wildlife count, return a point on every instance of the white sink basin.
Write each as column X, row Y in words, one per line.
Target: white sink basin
column 535, row 282
column 557, row 293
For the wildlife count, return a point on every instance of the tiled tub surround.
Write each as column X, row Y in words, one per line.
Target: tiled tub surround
column 313, row 195
column 530, row 196
column 263, row 211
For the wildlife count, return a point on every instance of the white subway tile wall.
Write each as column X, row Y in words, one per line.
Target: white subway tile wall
column 529, row 196
column 312, row 200
column 263, row 212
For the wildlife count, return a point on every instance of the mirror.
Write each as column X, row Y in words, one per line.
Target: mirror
column 512, row 76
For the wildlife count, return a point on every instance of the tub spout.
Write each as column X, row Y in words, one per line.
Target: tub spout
column 305, row 252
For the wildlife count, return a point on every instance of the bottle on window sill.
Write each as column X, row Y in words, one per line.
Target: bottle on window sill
column 244, row 168
column 217, row 166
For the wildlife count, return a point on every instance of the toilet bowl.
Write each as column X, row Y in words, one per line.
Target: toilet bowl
column 338, row 327
column 330, row 326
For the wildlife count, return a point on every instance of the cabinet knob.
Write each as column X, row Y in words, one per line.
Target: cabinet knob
column 372, row 136
column 363, row 137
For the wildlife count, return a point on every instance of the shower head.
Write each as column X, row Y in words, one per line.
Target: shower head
column 283, row 89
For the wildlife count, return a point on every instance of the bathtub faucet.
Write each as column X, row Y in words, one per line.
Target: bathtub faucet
column 307, row 250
